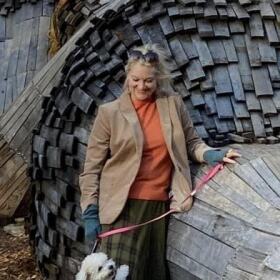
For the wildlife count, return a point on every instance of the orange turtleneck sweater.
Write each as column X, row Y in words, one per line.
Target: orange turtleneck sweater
column 153, row 178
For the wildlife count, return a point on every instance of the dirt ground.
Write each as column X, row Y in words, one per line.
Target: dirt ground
column 16, row 259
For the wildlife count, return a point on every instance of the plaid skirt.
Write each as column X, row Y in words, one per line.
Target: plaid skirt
column 143, row 249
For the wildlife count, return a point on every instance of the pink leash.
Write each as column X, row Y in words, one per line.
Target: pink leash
column 209, row 175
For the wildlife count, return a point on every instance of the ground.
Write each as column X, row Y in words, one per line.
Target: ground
column 16, row 259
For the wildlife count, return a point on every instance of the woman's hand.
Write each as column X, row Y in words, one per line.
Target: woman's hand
column 213, row 157
column 92, row 223
column 231, row 153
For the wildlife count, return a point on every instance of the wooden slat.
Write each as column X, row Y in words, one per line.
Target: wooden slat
column 236, row 82
column 193, row 250
column 222, row 80
column 223, row 106
column 203, row 51
column 256, row 25
column 252, row 102
column 217, row 52
column 230, row 51
column 262, row 82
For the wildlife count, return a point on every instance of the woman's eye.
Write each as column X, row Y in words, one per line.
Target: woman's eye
column 135, row 80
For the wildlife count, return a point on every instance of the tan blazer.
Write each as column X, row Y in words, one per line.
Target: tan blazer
column 115, row 149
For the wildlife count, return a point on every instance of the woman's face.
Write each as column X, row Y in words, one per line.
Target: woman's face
column 142, row 82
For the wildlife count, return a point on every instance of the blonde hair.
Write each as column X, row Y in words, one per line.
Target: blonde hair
column 162, row 68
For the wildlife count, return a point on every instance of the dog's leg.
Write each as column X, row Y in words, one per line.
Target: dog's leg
column 122, row 272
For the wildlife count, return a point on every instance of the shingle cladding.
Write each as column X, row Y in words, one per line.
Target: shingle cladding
column 224, row 59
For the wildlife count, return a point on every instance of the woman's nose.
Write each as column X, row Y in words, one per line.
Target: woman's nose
column 142, row 85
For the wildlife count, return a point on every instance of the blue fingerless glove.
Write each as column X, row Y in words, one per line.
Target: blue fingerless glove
column 213, row 157
column 92, row 223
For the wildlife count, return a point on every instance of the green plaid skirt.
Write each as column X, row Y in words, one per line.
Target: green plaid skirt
column 143, row 249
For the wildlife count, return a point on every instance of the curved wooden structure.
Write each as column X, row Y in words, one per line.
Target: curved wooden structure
column 23, row 52
column 236, row 210
column 219, row 60
column 14, row 184
column 232, row 231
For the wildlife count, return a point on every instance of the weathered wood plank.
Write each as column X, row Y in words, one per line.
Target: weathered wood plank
column 222, row 80
column 204, row 28
column 256, row 26
column 203, row 51
column 253, row 52
column 236, row 82
column 262, row 82
column 224, row 107
column 264, row 171
column 193, row 247
column 217, row 52
column 230, row 51
column 252, row 178
column 252, row 102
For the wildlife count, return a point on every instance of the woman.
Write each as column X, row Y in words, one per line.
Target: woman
column 137, row 156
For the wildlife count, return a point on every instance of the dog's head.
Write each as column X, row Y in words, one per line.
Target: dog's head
column 97, row 267
column 107, row 271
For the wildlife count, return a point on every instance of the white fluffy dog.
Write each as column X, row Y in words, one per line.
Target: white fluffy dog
column 96, row 266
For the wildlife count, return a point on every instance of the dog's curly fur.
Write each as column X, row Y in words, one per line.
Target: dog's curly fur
column 97, row 266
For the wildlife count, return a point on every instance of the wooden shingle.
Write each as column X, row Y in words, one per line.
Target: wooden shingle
column 194, row 70
column 274, row 73
column 222, row 13
column 253, row 52
column 230, row 50
column 256, row 25
column 271, row 32
column 178, row 24
column 240, row 11
column 222, row 80
column 236, row 82
column 2, row 29
column 267, row 105
column 204, row 28
column 188, row 46
column 210, row 12
column 252, row 102
column 210, row 106
column 258, row 125
column 217, row 52
column 224, row 108
column 189, row 24
column 220, row 29
column 276, row 99
column 156, row 35
column 178, row 52
column 262, row 82
column 203, row 51
column 166, row 25
column 239, row 108
column 236, row 27
column 197, row 98
column 266, row 10
column 207, row 83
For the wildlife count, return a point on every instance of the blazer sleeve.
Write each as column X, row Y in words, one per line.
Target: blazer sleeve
column 195, row 145
column 96, row 156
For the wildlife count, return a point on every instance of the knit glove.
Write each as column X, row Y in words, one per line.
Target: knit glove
column 213, row 157
column 92, row 223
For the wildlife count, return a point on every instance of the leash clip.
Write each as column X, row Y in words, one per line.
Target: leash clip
column 94, row 247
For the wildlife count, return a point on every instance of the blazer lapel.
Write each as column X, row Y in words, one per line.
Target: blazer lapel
column 130, row 115
column 165, row 120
